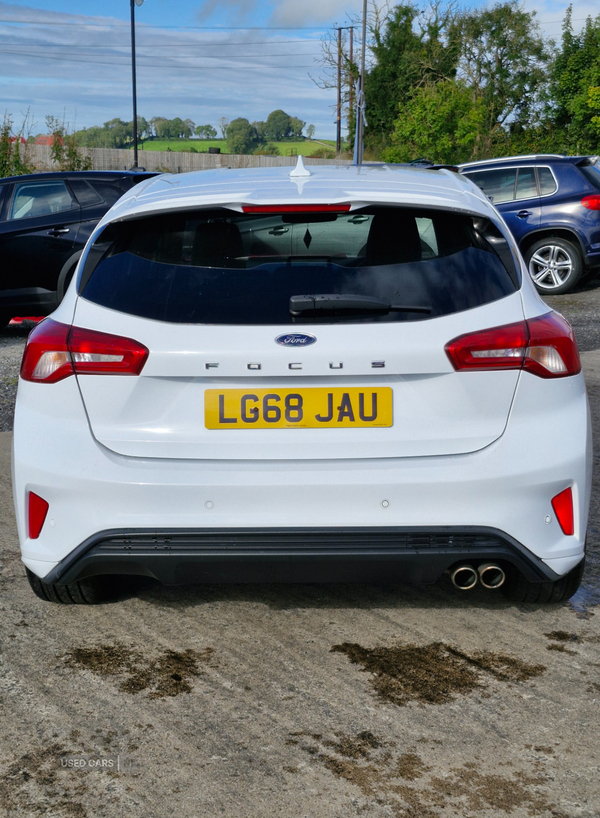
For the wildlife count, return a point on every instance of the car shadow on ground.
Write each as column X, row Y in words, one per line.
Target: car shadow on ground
column 361, row 596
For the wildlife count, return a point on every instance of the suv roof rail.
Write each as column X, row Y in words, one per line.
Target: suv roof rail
column 511, row 158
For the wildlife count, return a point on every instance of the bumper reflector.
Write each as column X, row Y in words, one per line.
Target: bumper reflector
column 38, row 509
column 563, row 508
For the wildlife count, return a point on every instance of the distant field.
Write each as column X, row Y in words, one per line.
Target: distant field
column 307, row 147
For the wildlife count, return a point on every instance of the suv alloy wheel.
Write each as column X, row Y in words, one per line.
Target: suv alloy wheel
column 554, row 265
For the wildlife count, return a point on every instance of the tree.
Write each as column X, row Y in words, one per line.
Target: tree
column 143, row 128
column 179, row 129
column 310, row 131
column 165, row 128
column 440, row 122
column 64, row 149
column 223, row 126
column 279, row 125
column 411, row 48
column 241, row 136
column 504, row 62
column 153, row 122
column 205, row 132
column 297, row 126
column 118, row 133
column 14, row 160
column 574, row 104
column 261, row 130
column 406, row 47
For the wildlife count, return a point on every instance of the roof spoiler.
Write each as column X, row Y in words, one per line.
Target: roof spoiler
column 429, row 165
column 587, row 161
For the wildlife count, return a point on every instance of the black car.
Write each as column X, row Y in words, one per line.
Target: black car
column 45, row 221
column 551, row 204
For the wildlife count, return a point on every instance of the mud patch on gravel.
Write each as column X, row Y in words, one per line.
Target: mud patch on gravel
column 433, row 674
column 32, row 782
column 562, row 636
column 167, row 675
column 381, row 774
column 559, row 640
column 358, row 746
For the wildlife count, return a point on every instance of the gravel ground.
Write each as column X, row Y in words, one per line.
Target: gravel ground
column 12, row 341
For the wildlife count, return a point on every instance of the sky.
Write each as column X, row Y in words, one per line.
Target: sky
column 196, row 59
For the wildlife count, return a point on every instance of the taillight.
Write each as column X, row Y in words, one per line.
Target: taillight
column 592, row 202
column 563, row 508
column 36, row 516
column 97, row 353
column 54, row 351
column 297, row 208
column 544, row 346
column 46, row 357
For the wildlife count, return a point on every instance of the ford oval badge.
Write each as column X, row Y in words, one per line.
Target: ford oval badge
column 295, row 339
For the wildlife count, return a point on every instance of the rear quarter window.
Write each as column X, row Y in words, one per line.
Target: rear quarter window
column 592, row 174
column 547, row 181
column 222, row 267
column 110, row 192
column 86, row 195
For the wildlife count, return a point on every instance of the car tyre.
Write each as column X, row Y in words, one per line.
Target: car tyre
column 554, row 264
column 85, row 592
column 519, row 589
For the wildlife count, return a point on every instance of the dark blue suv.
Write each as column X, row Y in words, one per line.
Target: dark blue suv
column 552, row 206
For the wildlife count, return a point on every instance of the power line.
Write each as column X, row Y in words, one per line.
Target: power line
column 162, row 65
column 178, row 56
column 164, row 45
column 160, row 28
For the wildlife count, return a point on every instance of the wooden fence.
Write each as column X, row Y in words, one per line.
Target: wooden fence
column 170, row 161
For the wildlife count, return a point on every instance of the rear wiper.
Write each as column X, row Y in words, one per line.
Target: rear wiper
column 346, row 301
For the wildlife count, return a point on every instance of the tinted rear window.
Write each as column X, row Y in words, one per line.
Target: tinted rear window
column 592, row 174
column 222, row 267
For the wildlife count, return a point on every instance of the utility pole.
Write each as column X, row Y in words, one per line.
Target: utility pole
column 338, row 143
column 350, row 78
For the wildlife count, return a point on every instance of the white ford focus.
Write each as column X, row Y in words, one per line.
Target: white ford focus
column 337, row 374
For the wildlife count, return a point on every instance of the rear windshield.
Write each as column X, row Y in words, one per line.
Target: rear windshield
column 224, row 267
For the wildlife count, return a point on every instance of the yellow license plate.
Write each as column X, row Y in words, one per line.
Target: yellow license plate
column 311, row 408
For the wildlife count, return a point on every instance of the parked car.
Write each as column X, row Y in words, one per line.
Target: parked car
column 551, row 204
column 45, row 221
column 342, row 374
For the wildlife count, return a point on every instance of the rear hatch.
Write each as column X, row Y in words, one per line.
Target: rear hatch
column 298, row 336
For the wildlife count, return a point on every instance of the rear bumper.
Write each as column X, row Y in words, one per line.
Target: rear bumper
column 177, row 557
column 504, row 490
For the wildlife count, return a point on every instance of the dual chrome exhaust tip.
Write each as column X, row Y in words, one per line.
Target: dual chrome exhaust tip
column 466, row 577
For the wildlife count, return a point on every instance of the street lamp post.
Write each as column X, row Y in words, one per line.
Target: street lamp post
column 133, row 4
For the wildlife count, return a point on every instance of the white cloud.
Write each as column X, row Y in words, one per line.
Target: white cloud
column 240, row 9
column 84, row 70
column 313, row 12
column 550, row 15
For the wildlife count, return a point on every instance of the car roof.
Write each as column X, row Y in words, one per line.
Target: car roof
column 79, row 174
column 319, row 184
